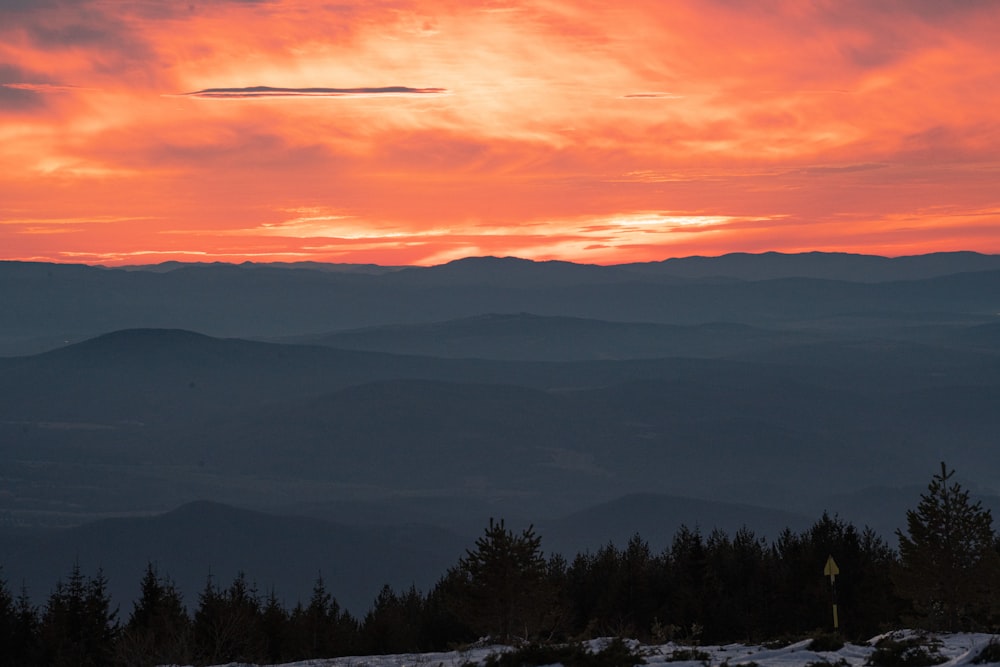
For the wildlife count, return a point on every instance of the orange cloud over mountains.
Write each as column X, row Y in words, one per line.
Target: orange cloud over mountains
column 419, row 132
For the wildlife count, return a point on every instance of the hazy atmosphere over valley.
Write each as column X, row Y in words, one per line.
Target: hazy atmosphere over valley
column 366, row 422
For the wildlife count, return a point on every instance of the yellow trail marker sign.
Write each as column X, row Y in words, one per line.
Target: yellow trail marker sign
column 831, row 570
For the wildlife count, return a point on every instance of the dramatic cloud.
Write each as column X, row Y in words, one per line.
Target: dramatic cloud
column 575, row 129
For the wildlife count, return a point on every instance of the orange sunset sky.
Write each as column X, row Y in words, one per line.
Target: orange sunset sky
column 401, row 132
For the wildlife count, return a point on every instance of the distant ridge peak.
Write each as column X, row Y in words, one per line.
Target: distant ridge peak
column 489, row 259
column 150, row 334
column 510, row 260
column 138, row 340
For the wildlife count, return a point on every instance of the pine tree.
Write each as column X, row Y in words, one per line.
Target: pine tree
column 79, row 627
column 208, row 619
column 949, row 567
column 313, row 626
column 875, row 601
column 103, row 626
column 274, row 629
column 26, row 647
column 392, row 625
column 8, row 622
column 322, row 629
column 592, row 591
column 502, row 583
column 19, row 643
column 441, row 621
column 688, row 570
column 226, row 623
column 735, row 585
column 158, row 629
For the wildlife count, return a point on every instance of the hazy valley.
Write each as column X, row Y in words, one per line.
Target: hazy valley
column 372, row 419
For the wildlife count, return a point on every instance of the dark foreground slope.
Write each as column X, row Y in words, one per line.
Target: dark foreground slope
column 284, row 554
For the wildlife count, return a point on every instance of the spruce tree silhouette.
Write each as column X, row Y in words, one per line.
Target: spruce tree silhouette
column 158, row 630
column 502, row 589
column 79, row 627
column 949, row 568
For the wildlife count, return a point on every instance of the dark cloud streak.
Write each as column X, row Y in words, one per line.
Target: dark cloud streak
column 19, row 99
column 267, row 91
column 14, row 95
column 650, row 96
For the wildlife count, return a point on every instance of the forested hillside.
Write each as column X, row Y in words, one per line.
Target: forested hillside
column 702, row 589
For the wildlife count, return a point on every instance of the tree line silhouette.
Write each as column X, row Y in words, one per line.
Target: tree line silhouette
column 700, row 589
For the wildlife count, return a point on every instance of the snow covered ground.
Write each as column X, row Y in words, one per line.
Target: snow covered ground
column 956, row 649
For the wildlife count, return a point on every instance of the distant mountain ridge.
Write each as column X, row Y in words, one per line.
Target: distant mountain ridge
column 738, row 265
column 510, row 272
column 166, row 267
column 45, row 305
column 525, row 336
column 822, row 265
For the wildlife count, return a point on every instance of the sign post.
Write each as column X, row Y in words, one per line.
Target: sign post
column 831, row 570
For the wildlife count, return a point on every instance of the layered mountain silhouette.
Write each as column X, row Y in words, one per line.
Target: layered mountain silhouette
column 153, row 406
column 45, row 304
column 394, row 410
column 524, row 336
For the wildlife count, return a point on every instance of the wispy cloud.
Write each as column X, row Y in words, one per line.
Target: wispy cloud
column 43, row 87
column 270, row 92
column 317, row 223
column 846, row 169
column 76, row 220
column 155, row 255
column 624, row 228
column 652, row 96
